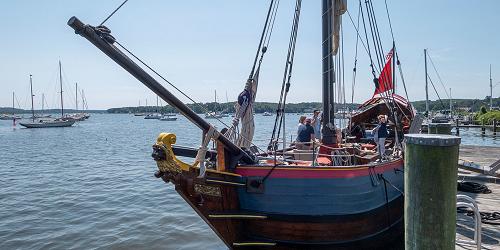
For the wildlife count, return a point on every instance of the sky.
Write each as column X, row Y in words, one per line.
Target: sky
column 207, row 46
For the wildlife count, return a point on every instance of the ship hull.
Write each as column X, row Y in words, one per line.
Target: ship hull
column 361, row 211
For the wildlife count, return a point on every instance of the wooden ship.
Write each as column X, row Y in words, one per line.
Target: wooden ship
column 339, row 195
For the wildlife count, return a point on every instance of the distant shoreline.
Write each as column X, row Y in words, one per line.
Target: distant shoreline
column 470, row 105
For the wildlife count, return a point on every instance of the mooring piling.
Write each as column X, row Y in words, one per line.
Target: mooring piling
column 494, row 127
column 430, row 191
column 483, row 128
column 457, row 123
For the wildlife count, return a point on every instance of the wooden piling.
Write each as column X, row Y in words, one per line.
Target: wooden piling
column 483, row 128
column 430, row 191
column 494, row 127
column 457, row 124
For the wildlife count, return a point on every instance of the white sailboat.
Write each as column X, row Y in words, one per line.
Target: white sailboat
column 48, row 123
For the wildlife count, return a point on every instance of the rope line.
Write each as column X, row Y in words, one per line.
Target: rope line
column 112, row 13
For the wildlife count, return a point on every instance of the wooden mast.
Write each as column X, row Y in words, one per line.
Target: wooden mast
column 328, row 132
column 43, row 102
column 60, row 83
column 32, row 106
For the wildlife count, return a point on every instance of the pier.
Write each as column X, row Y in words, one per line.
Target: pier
column 480, row 164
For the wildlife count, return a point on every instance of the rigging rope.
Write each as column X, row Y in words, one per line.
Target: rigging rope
column 112, row 13
column 439, row 77
column 285, row 86
column 432, row 83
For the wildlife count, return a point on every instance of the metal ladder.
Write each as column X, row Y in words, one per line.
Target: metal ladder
column 471, row 203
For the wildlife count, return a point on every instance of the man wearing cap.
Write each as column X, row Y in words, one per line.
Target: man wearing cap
column 305, row 136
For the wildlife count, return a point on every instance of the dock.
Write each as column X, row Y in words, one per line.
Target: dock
column 480, row 164
column 490, row 233
column 480, row 159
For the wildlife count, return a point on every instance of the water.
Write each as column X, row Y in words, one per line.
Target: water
column 92, row 185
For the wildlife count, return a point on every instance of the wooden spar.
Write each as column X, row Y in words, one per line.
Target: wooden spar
column 126, row 63
column 328, row 73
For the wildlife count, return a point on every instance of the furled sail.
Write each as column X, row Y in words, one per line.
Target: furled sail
column 244, row 112
column 339, row 8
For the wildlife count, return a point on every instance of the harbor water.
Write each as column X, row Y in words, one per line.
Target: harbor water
column 91, row 186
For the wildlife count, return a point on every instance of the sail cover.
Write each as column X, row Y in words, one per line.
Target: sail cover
column 246, row 104
column 339, row 8
column 244, row 111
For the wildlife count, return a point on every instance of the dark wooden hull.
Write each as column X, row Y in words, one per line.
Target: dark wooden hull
column 218, row 205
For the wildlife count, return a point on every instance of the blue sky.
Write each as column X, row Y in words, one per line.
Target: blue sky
column 203, row 46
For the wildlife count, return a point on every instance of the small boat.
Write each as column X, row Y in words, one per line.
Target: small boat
column 153, row 116
column 12, row 116
column 64, row 121
column 267, row 114
column 48, row 123
column 139, row 114
column 156, row 115
column 168, row 118
column 213, row 115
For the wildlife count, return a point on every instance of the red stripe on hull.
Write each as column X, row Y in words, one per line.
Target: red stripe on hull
column 318, row 172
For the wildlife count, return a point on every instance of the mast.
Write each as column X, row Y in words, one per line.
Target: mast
column 426, row 85
column 60, row 84
column 157, row 111
column 328, row 77
column 451, row 105
column 43, row 101
column 76, row 97
column 32, row 106
column 491, row 91
column 13, row 108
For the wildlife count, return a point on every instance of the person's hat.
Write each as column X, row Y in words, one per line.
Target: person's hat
column 308, row 119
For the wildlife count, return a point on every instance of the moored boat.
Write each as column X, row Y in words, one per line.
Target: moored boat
column 63, row 121
column 337, row 194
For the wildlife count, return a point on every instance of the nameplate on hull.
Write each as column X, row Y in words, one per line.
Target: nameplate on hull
column 207, row 190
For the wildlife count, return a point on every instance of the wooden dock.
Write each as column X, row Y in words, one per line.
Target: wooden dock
column 484, row 157
column 480, row 159
column 490, row 233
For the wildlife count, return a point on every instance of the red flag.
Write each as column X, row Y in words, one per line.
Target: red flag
column 385, row 78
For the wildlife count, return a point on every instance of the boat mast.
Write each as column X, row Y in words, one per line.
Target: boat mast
column 76, row 97
column 451, row 105
column 426, row 85
column 491, row 91
column 60, row 84
column 328, row 121
column 13, row 108
column 157, row 109
column 43, row 101
column 32, row 106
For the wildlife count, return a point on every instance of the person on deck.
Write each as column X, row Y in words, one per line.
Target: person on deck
column 301, row 126
column 305, row 136
column 316, row 124
column 379, row 134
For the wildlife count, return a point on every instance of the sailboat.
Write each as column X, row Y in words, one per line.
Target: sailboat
column 12, row 116
column 336, row 195
column 48, row 123
column 215, row 114
column 156, row 115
